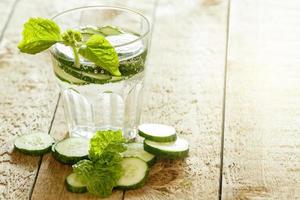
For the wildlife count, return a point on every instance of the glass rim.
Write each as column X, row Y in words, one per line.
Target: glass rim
column 129, row 10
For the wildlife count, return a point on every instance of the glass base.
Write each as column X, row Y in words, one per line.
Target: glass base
column 88, row 132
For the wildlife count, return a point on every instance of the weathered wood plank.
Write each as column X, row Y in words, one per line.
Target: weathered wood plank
column 184, row 89
column 262, row 141
column 52, row 174
column 27, row 100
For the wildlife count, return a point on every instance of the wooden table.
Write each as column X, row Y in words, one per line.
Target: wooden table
column 225, row 74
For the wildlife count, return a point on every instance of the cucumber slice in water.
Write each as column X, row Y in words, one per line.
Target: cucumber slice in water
column 74, row 184
column 135, row 173
column 34, row 144
column 87, row 32
column 131, row 57
column 171, row 150
column 157, row 132
column 137, row 150
column 109, row 30
column 62, row 75
column 87, row 76
column 71, row 150
column 90, row 31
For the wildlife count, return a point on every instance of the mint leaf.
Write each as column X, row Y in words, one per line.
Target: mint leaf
column 100, row 176
column 102, row 172
column 106, row 141
column 38, row 35
column 98, row 50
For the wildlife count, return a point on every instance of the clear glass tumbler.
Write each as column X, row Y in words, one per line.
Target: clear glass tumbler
column 94, row 99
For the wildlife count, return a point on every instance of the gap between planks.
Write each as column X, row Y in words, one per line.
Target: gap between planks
column 41, row 157
column 8, row 19
column 224, row 103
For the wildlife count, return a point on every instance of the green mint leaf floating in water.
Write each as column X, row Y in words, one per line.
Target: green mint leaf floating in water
column 106, row 141
column 102, row 172
column 98, row 50
column 38, row 35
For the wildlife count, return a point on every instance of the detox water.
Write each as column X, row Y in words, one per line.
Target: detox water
column 95, row 100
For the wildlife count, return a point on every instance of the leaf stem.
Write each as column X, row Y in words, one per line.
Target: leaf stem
column 76, row 57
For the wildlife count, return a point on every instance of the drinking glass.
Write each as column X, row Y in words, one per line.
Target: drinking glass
column 93, row 99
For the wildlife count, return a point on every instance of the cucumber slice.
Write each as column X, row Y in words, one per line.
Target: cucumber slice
column 62, row 75
column 109, row 30
column 157, row 132
column 71, row 150
column 87, row 76
column 66, row 71
column 171, row 150
column 117, row 78
column 135, row 173
column 137, row 150
column 74, row 184
column 132, row 65
column 98, row 76
column 87, row 32
column 90, row 31
column 34, row 144
column 65, row 62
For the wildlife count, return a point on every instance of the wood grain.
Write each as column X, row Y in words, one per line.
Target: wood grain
column 262, row 140
column 27, row 100
column 184, row 88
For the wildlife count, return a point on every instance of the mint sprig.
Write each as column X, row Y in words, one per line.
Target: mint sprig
column 101, row 173
column 40, row 34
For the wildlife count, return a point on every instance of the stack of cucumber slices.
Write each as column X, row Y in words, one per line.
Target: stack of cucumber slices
column 160, row 141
